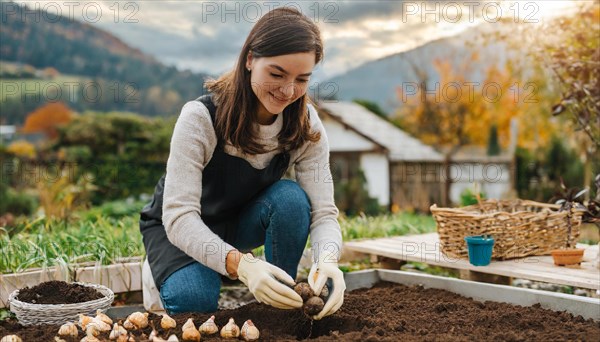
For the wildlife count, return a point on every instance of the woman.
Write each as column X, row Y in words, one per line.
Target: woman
column 223, row 195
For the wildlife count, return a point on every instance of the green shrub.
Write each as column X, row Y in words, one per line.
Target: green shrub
column 469, row 197
column 115, row 209
column 352, row 197
column 539, row 173
column 78, row 153
column 17, row 203
column 125, row 153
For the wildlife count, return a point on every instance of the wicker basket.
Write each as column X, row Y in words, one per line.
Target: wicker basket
column 521, row 228
column 33, row 314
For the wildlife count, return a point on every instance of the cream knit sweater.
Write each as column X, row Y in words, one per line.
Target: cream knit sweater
column 192, row 145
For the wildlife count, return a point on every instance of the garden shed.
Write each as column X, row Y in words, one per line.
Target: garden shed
column 400, row 170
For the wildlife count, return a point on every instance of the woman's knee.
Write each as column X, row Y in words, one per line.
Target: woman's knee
column 289, row 213
column 287, row 195
column 191, row 289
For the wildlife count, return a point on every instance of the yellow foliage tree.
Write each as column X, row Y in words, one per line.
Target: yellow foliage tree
column 459, row 111
column 47, row 118
column 22, row 148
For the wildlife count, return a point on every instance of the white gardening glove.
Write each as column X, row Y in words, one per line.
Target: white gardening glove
column 327, row 267
column 262, row 280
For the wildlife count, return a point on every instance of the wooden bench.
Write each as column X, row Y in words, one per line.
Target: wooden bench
column 425, row 248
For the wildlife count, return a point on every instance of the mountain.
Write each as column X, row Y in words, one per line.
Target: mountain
column 379, row 80
column 144, row 85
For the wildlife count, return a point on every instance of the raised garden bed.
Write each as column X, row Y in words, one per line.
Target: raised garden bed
column 392, row 312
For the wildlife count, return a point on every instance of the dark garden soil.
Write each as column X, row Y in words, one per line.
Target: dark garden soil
column 386, row 312
column 58, row 292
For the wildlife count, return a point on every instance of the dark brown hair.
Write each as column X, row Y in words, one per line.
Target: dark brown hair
column 279, row 32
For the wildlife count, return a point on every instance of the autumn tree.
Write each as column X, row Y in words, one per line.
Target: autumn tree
column 436, row 111
column 458, row 110
column 569, row 48
column 575, row 61
column 458, row 105
column 47, row 119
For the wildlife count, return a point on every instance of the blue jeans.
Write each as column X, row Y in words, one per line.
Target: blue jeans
column 278, row 218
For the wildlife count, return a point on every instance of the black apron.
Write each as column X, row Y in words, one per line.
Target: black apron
column 228, row 184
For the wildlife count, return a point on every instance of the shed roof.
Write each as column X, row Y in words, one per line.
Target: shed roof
column 400, row 145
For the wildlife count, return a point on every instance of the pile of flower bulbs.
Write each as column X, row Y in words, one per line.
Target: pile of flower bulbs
column 93, row 326
column 312, row 304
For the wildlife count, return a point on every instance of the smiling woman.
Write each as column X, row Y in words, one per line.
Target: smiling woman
column 275, row 86
column 223, row 195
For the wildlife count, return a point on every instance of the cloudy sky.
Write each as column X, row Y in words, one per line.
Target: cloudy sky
column 207, row 35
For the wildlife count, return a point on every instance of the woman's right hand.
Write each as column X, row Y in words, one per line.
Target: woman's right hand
column 263, row 280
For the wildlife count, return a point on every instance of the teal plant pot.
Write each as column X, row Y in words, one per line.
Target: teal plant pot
column 480, row 249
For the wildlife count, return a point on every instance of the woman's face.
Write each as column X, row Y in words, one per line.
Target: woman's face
column 278, row 81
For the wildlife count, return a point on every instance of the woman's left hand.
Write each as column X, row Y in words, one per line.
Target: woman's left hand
column 319, row 273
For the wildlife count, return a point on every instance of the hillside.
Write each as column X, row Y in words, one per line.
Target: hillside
column 76, row 48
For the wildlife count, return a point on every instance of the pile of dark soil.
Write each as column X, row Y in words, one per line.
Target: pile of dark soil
column 58, row 292
column 386, row 312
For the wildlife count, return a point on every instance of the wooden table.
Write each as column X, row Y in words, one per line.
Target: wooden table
column 425, row 248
